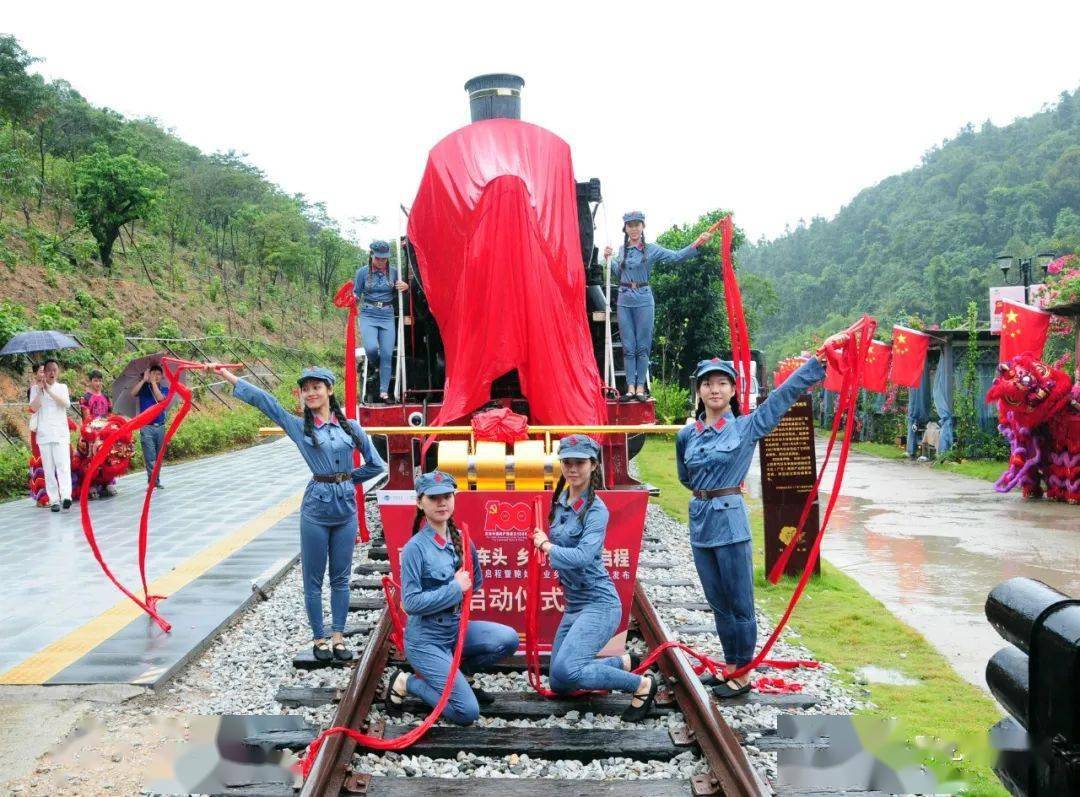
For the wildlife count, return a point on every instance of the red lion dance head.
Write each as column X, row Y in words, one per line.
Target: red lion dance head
column 1033, row 401
column 92, row 434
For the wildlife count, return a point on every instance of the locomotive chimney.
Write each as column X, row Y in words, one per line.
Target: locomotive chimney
column 495, row 96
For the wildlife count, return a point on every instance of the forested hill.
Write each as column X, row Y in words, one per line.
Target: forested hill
column 923, row 243
column 109, row 223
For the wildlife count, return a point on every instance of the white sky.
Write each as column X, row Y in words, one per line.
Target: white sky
column 777, row 110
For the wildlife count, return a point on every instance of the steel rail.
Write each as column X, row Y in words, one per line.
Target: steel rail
column 331, row 768
column 731, row 772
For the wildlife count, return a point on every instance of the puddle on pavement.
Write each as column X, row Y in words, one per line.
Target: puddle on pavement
column 872, row 674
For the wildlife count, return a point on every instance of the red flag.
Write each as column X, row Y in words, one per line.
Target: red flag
column 876, row 372
column 1023, row 329
column 834, row 380
column 908, row 356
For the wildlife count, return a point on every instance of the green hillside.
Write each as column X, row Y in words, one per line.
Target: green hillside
column 923, row 243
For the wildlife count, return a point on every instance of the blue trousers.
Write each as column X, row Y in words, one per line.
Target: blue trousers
column 378, row 334
column 636, row 329
column 727, row 576
column 150, row 438
column 429, row 648
column 321, row 543
column 582, row 634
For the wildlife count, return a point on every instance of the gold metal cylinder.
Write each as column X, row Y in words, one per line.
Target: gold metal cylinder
column 454, row 459
column 530, row 465
column 489, row 465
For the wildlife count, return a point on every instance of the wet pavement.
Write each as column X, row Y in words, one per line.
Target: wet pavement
column 51, row 586
column 930, row 545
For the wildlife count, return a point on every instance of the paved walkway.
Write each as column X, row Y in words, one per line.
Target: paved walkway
column 51, row 585
column 931, row 545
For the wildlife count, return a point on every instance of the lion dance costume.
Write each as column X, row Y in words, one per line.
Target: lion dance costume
column 91, row 434
column 1039, row 412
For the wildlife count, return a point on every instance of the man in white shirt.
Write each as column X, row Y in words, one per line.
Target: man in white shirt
column 49, row 400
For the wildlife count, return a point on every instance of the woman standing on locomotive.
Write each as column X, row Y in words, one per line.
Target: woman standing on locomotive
column 374, row 288
column 636, row 306
column 578, row 523
column 326, row 440
column 712, row 457
column 434, row 580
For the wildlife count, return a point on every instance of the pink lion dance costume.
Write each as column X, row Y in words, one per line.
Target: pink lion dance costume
column 1039, row 414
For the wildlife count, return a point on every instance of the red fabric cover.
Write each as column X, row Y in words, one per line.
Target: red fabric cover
column 1023, row 330
column 346, row 299
column 501, row 425
column 875, row 374
column 908, row 356
column 494, row 226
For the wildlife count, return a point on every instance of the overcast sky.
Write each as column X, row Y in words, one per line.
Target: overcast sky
column 779, row 111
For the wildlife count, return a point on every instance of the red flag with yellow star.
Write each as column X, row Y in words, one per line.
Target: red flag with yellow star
column 908, row 356
column 875, row 373
column 1023, row 329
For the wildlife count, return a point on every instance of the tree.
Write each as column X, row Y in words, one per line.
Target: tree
column 111, row 191
column 20, row 93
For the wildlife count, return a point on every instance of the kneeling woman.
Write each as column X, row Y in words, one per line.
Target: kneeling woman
column 578, row 523
column 326, row 440
column 434, row 578
column 712, row 457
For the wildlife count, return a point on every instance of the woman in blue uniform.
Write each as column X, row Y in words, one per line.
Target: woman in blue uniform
column 578, row 523
column 636, row 307
column 374, row 288
column 326, row 440
column 712, row 457
column 434, row 579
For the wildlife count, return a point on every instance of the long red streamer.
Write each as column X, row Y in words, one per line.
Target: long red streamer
column 740, row 336
column 149, row 602
column 345, row 298
column 417, row 733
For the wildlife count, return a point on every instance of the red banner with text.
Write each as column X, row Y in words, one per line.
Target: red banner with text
column 501, row 526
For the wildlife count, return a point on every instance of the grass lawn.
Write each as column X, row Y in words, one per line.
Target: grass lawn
column 881, row 450
column 986, row 469
column 842, row 624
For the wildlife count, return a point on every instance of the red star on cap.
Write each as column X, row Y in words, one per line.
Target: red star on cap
column 715, row 360
column 438, row 478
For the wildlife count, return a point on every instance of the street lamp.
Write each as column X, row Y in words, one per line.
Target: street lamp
column 1005, row 262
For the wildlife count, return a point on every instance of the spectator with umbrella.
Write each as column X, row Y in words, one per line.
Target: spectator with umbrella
column 50, row 399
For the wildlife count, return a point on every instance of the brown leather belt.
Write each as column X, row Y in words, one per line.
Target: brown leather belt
column 705, row 494
column 378, row 305
column 633, row 285
column 331, row 478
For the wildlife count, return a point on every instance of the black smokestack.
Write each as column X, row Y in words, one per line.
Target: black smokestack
column 495, row 96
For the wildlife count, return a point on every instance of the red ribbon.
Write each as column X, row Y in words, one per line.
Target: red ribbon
column 740, row 336
column 417, row 733
column 149, row 602
column 392, row 591
column 345, row 298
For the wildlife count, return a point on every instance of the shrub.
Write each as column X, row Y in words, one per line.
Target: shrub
column 672, row 402
column 106, row 336
column 12, row 320
column 168, row 329
column 13, row 471
column 267, row 323
column 52, row 316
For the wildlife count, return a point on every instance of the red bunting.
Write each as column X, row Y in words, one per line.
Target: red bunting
column 1023, row 330
column 908, row 356
column 876, row 371
column 834, row 380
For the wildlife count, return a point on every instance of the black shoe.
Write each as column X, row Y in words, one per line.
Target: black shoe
column 637, row 713
column 641, row 397
column 626, row 398
column 708, row 679
column 55, row 507
column 482, row 697
column 725, row 691
column 160, row 486
column 390, row 705
column 342, row 653
column 321, row 651
column 67, row 503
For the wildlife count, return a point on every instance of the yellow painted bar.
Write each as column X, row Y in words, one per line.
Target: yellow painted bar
column 437, row 431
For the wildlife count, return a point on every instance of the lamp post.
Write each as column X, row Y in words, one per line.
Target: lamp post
column 1005, row 262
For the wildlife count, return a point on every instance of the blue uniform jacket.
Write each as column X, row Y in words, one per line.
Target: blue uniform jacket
column 375, row 286
column 428, row 588
column 712, row 457
column 324, row 503
column 577, row 550
column 638, row 266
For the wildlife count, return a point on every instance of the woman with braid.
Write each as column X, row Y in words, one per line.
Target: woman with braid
column 326, row 440
column 578, row 523
column 631, row 271
column 434, row 580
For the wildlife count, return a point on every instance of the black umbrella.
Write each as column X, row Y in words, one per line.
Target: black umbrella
column 39, row 340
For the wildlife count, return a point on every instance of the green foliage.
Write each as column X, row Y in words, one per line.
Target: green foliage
column 208, row 433
column 967, row 420
column 20, row 93
column 214, row 329
column 671, row 402
column 54, row 316
column 106, row 336
column 168, row 328
column 14, row 473
column 267, row 323
column 12, row 320
column 111, row 191
column 214, row 289
column 924, row 242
